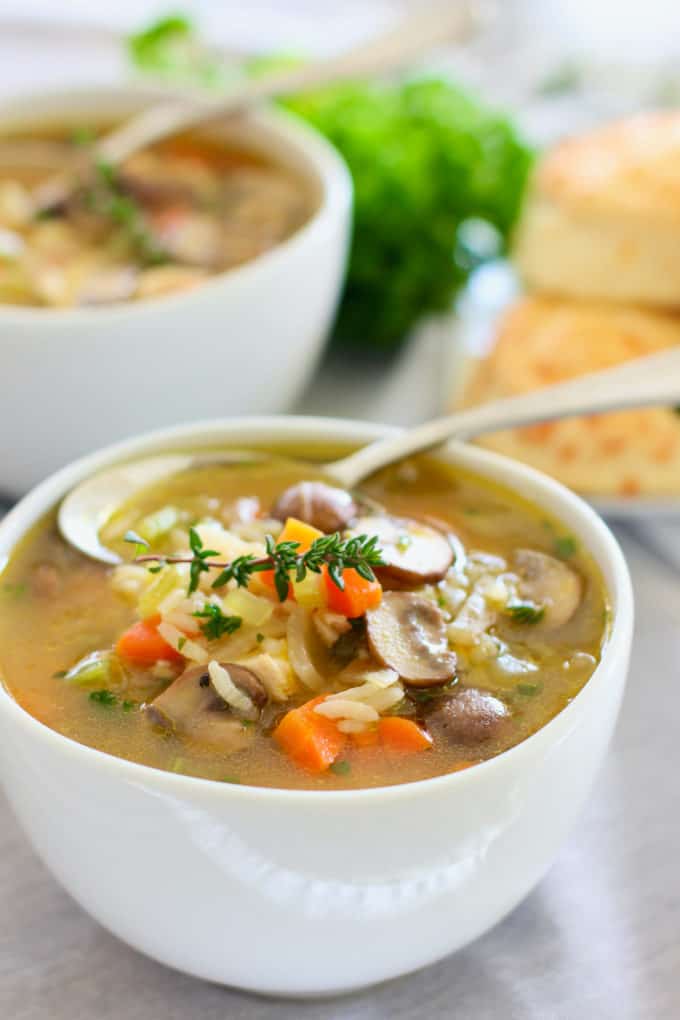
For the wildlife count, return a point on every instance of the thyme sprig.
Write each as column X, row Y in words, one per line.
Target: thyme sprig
column 106, row 196
column 337, row 554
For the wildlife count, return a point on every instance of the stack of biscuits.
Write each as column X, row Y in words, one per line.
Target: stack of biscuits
column 598, row 251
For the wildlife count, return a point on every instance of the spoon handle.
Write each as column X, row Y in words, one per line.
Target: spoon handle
column 413, row 36
column 642, row 382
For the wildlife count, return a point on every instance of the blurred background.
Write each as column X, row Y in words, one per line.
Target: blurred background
column 555, row 67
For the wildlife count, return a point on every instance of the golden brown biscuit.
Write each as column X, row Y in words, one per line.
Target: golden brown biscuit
column 602, row 218
column 542, row 341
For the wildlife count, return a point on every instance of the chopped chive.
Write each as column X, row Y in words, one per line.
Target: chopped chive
column 524, row 612
column 83, row 135
column 128, row 705
column 529, row 689
column 60, row 674
column 565, row 546
column 340, row 768
column 103, row 697
column 181, row 643
column 231, row 779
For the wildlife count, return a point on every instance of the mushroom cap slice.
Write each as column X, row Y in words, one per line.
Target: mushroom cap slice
column 407, row 633
column 414, row 553
column 468, row 716
column 323, row 506
column 549, row 583
column 191, row 707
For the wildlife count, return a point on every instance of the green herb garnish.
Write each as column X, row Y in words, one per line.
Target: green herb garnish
column 217, row 624
column 231, row 779
column 340, row 768
column 103, row 697
column 529, row 689
column 106, row 197
column 128, row 705
column 565, row 546
column 360, row 553
column 525, row 612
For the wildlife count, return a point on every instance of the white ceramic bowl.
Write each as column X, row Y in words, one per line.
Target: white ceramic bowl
column 297, row 892
column 246, row 341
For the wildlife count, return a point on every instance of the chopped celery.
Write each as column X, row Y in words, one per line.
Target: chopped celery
column 159, row 589
column 158, row 524
column 310, row 593
column 253, row 610
column 99, row 669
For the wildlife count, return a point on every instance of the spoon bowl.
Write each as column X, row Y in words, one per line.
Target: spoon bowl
column 640, row 382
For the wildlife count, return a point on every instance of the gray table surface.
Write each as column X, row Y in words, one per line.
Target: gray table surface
column 599, row 939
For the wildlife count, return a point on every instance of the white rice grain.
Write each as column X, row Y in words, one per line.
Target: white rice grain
column 346, row 709
column 227, row 689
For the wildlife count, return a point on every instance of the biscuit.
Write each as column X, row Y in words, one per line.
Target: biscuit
column 543, row 341
column 602, row 215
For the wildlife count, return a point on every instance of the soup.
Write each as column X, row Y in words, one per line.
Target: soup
column 168, row 219
column 273, row 631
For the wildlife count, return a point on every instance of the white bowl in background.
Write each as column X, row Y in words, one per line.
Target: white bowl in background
column 246, row 341
column 305, row 892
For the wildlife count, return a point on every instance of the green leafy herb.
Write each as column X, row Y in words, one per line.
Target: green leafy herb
column 181, row 643
column 565, row 546
column 360, row 553
column 128, row 705
column 231, row 779
column 106, row 197
column 83, row 135
column 340, row 768
column 425, row 157
column 103, row 697
column 529, row 690
column 169, row 48
column 525, row 612
column 217, row 624
column 60, row 674
column 259, row 638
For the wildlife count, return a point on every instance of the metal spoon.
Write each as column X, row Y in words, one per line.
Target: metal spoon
column 643, row 382
column 413, row 36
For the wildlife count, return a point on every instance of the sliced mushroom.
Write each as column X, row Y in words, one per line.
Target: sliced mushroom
column 323, row 506
column 414, row 552
column 550, row 584
column 469, row 716
column 407, row 633
column 191, row 706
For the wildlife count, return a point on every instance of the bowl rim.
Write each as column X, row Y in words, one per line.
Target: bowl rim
column 583, row 520
column 323, row 161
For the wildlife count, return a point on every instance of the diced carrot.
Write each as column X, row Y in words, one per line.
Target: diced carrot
column 358, row 594
column 367, row 738
column 403, row 735
column 312, row 741
column 297, row 531
column 143, row 645
column 293, row 531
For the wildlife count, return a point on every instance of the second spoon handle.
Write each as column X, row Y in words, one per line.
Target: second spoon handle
column 642, row 382
column 414, row 35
